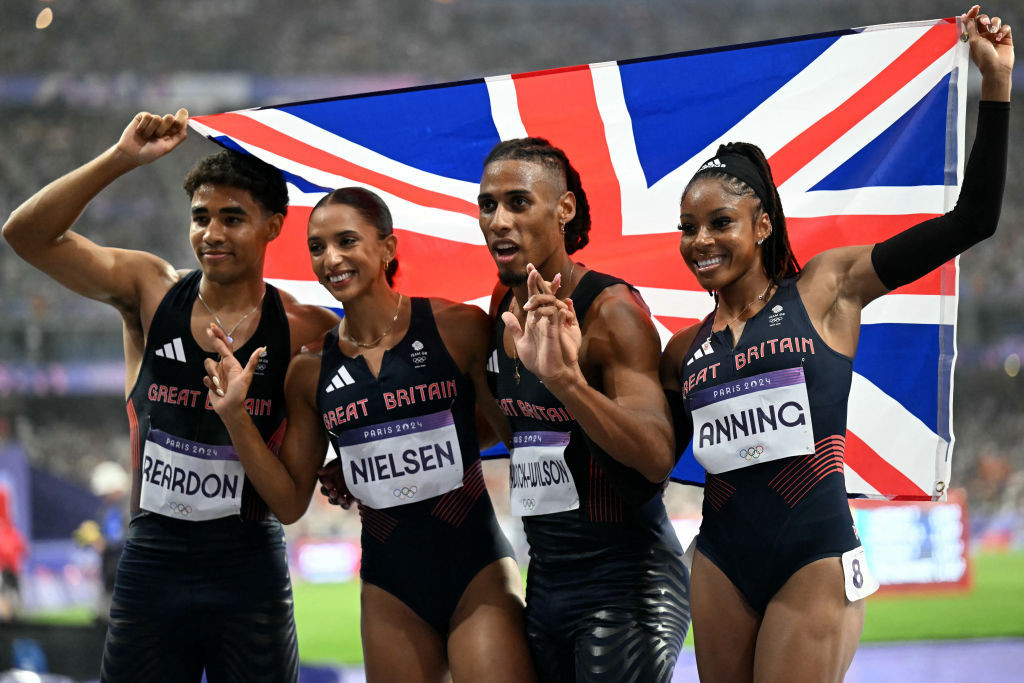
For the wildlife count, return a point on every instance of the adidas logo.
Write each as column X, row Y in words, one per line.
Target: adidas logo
column 341, row 379
column 492, row 362
column 172, row 350
column 704, row 350
column 714, row 163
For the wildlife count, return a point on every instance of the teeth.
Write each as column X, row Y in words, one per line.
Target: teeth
column 704, row 263
column 339, row 278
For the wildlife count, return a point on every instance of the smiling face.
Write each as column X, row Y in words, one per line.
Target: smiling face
column 346, row 252
column 522, row 204
column 720, row 231
column 229, row 232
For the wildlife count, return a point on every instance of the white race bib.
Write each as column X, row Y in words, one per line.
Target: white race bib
column 860, row 582
column 190, row 480
column 753, row 420
column 402, row 461
column 540, row 482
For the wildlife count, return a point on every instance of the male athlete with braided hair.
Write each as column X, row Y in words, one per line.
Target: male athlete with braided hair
column 203, row 580
column 607, row 590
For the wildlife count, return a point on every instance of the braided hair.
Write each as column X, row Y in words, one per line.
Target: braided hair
column 540, row 150
column 776, row 253
column 372, row 209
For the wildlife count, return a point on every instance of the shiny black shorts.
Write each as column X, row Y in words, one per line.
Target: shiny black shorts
column 195, row 596
column 617, row 620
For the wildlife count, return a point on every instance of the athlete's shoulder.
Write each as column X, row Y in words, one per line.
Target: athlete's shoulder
column 620, row 307
column 307, row 322
column 465, row 331
column 457, row 315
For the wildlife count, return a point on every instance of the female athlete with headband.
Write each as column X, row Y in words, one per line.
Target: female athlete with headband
column 779, row 575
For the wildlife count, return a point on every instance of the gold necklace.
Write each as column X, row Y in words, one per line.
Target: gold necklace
column 761, row 297
column 217, row 318
column 378, row 340
column 515, row 354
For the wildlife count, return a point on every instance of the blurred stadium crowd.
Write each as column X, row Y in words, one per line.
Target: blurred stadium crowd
column 66, row 93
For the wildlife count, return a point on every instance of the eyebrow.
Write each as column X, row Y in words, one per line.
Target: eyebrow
column 490, row 195
column 720, row 209
column 230, row 210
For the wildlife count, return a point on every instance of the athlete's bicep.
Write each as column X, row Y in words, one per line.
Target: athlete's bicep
column 627, row 349
column 672, row 357
column 113, row 276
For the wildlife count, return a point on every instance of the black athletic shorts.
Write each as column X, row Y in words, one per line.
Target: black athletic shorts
column 210, row 595
column 620, row 619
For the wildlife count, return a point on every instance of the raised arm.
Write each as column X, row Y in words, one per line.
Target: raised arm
column 285, row 480
column 39, row 230
column 838, row 283
column 627, row 416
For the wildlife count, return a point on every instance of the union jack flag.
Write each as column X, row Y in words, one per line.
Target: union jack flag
column 863, row 129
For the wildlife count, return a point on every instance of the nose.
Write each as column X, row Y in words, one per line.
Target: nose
column 214, row 232
column 703, row 236
column 332, row 256
column 501, row 220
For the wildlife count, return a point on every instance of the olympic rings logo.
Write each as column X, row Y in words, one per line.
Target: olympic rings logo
column 752, row 453
column 180, row 508
column 405, row 492
column 529, row 503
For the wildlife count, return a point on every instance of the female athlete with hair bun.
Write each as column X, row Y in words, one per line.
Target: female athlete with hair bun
column 779, row 574
column 396, row 390
column 606, row 595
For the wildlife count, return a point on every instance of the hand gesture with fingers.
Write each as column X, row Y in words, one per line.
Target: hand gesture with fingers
column 150, row 136
column 548, row 343
column 991, row 42
column 332, row 484
column 226, row 379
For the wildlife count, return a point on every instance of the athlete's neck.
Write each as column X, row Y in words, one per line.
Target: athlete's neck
column 237, row 296
column 745, row 296
column 371, row 314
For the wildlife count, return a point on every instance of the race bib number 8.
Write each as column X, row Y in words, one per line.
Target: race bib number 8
column 402, row 461
column 540, row 482
column 752, row 420
column 860, row 582
column 190, row 480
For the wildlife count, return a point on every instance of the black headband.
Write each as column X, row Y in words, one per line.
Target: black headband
column 741, row 168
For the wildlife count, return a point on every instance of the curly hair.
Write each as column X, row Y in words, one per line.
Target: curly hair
column 577, row 231
column 244, row 171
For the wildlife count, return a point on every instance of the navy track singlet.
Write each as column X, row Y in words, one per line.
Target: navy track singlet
column 618, row 507
column 778, row 337
column 417, row 377
column 169, row 398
